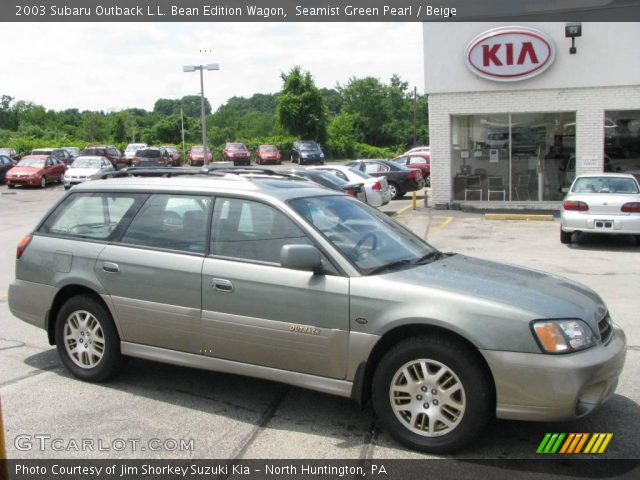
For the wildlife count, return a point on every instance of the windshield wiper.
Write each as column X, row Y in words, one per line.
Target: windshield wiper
column 388, row 266
column 431, row 256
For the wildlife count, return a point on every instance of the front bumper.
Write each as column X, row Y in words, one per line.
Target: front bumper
column 241, row 161
column 543, row 387
column 23, row 181
column 600, row 223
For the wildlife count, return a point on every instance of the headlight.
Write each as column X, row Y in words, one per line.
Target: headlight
column 563, row 336
column 322, row 155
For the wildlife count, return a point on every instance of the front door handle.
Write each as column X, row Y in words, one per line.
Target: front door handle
column 110, row 267
column 222, row 285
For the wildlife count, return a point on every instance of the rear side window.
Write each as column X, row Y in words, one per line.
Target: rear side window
column 173, row 222
column 92, row 215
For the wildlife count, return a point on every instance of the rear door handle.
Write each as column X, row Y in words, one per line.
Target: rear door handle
column 110, row 267
column 222, row 285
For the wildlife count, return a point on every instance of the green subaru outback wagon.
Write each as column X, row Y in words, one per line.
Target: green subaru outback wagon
column 257, row 273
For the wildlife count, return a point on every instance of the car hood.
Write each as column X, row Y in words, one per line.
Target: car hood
column 541, row 294
column 26, row 170
column 82, row 171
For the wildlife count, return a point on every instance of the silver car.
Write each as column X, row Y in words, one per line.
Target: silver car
column 263, row 275
column 85, row 167
column 607, row 203
column 376, row 188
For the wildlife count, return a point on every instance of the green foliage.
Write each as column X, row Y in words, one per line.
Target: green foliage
column 301, row 110
column 365, row 118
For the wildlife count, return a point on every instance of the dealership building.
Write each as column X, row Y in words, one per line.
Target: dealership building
column 517, row 110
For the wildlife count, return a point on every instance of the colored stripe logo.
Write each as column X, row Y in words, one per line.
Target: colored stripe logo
column 574, row 443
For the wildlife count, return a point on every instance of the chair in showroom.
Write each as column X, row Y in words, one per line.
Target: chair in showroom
column 472, row 185
column 522, row 187
column 496, row 186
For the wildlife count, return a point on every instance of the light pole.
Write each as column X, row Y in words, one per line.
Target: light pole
column 193, row 68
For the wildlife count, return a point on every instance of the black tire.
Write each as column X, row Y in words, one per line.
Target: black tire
column 394, row 191
column 475, row 391
column 111, row 361
column 565, row 237
column 11, row 186
column 427, row 181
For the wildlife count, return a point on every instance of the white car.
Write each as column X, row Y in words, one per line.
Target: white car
column 422, row 149
column 606, row 203
column 132, row 148
column 376, row 188
column 85, row 167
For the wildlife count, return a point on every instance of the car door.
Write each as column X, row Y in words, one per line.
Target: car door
column 153, row 274
column 254, row 311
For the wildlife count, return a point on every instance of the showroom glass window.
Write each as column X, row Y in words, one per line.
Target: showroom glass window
column 511, row 157
column 622, row 141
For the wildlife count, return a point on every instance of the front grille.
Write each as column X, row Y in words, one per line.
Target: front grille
column 605, row 327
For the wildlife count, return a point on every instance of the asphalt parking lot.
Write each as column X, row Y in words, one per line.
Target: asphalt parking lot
column 226, row 416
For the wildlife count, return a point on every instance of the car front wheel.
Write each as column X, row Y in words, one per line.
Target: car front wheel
column 87, row 340
column 43, row 182
column 433, row 394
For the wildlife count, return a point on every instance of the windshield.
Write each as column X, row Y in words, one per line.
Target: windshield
column 148, row 153
column 198, row 149
column 237, row 146
column 360, row 173
column 100, row 152
column 267, row 149
column 171, row 149
column 309, row 146
column 31, row 162
column 368, row 238
column 86, row 163
column 41, row 152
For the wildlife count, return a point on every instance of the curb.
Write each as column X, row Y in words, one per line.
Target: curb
column 518, row 216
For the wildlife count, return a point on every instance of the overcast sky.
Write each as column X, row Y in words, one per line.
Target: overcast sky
column 112, row 66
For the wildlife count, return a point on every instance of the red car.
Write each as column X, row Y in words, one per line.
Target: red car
column 421, row 161
column 236, row 153
column 36, row 170
column 268, row 154
column 174, row 154
column 108, row 151
column 196, row 156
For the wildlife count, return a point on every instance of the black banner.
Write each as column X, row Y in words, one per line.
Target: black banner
column 321, row 469
column 316, row 10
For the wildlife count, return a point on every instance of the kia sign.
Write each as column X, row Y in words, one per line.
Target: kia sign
column 508, row 54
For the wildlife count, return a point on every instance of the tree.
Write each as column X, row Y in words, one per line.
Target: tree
column 119, row 130
column 192, row 108
column 166, row 106
column 300, row 109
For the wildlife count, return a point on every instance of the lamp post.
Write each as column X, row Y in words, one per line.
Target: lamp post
column 202, row 68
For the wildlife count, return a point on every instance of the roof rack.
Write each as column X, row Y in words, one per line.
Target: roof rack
column 210, row 170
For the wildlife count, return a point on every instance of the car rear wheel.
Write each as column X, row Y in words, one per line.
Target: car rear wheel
column 87, row 340
column 565, row 237
column 394, row 191
column 43, row 182
column 433, row 394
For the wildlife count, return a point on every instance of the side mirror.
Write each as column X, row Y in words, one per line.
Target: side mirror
column 300, row 257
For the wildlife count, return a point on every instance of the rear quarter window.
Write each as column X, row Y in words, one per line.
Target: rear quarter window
column 96, row 216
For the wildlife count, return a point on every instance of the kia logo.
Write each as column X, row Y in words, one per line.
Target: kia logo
column 508, row 54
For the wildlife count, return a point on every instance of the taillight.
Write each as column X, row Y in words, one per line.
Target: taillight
column 377, row 186
column 350, row 191
column 631, row 207
column 575, row 206
column 413, row 174
column 22, row 246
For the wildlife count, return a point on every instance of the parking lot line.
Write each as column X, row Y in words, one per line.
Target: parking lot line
column 402, row 210
column 445, row 221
